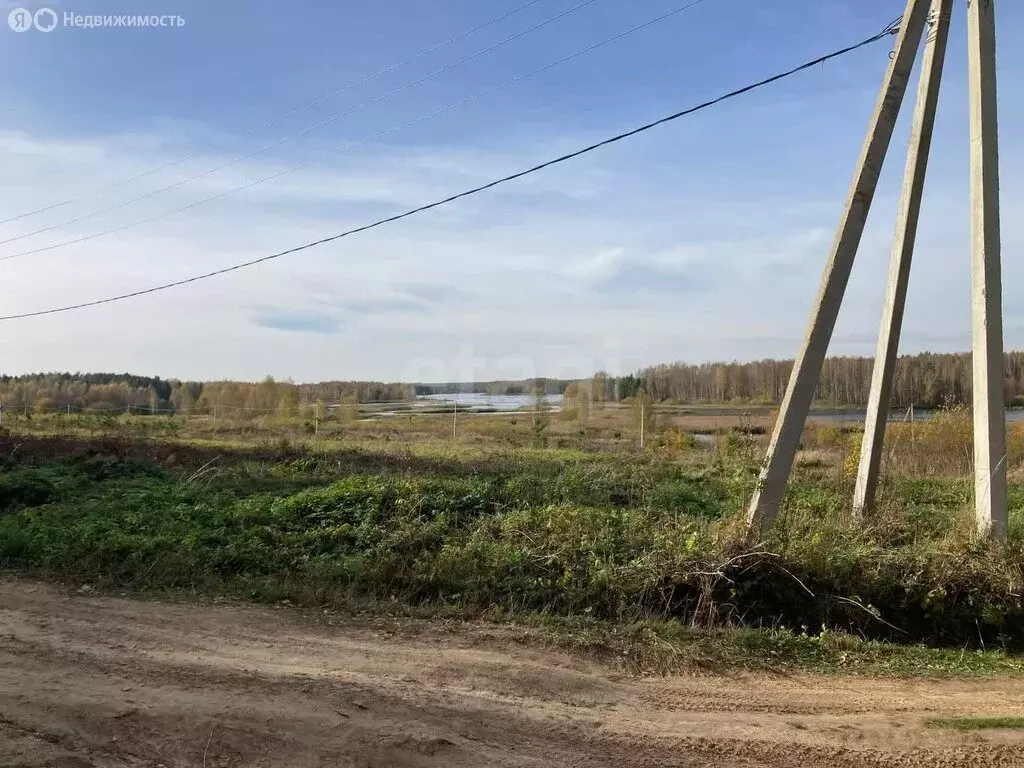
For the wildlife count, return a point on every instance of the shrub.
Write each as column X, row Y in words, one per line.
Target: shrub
column 622, row 538
column 24, row 488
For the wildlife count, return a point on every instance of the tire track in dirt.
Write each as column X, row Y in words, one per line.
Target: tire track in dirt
column 90, row 681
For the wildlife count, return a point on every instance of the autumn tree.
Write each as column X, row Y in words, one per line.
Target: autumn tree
column 541, row 417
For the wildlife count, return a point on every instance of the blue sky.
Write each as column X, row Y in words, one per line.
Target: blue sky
column 701, row 240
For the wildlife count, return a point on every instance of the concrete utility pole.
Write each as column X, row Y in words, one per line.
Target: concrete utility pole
column 807, row 367
column 987, row 289
column 902, row 253
column 455, row 416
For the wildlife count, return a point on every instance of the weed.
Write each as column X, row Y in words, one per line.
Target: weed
column 603, row 535
column 977, row 723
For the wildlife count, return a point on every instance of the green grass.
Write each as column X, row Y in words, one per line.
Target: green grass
column 640, row 547
column 661, row 647
column 657, row 646
column 978, row 723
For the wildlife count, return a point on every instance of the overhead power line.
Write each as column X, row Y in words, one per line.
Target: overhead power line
column 291, row 137
column 349, row 147
column 281, row 118
column 890, row 30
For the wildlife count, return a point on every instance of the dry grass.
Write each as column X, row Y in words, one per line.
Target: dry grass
column 938, row 446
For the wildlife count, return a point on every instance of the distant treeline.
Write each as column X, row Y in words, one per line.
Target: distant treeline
column 507, row 387
column 926, row 380
column 109, row 392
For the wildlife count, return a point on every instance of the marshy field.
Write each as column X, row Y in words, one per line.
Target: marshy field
column 524, row 515
column 544, row 544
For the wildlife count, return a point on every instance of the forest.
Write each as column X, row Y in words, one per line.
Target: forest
column 501, row 387
column 925, row 380
column 109, row 392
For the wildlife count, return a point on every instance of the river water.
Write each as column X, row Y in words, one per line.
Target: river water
column 479, row 401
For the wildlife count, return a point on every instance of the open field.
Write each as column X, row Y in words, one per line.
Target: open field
column 497, row 598
column 518, row 516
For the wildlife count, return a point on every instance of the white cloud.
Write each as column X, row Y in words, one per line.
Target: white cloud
column 589, row 266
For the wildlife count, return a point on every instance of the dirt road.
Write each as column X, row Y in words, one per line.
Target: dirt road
column 96, row 681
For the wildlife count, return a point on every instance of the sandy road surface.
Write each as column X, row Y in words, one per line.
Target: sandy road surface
column 90, row 680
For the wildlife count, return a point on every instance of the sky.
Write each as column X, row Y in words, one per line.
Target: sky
column 700, row 240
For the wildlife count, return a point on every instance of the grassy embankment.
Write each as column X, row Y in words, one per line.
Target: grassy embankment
column 607, row 549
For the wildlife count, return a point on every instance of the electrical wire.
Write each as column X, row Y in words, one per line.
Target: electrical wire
column 467, row 193
column 291, row 137
column 281, row 118
column 350, row 147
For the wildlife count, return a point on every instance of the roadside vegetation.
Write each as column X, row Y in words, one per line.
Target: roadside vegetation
column 558, row 520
